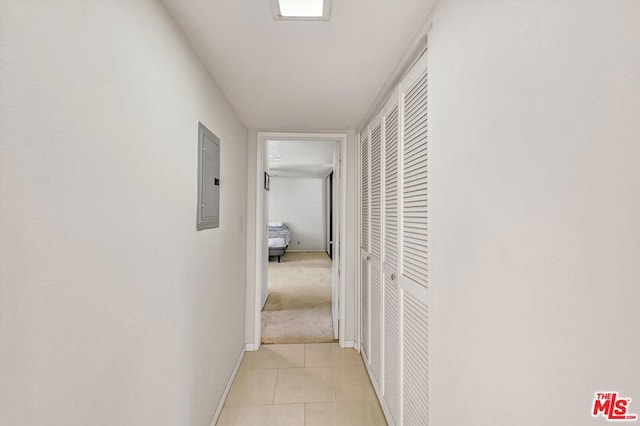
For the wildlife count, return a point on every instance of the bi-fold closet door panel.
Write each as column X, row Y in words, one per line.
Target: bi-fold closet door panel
column 375, row 257
column 414, row 247
column 394, row 280
column 364, row 244
column 391, row 321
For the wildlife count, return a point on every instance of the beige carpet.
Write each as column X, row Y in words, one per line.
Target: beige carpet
column 298, row 309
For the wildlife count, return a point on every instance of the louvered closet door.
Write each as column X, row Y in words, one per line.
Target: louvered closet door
column 364, row 243
column 391, row 328
column 394, row 297
column 413, row 259
column 375, row 258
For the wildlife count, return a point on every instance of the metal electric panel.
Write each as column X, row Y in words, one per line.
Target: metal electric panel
column 208, row 179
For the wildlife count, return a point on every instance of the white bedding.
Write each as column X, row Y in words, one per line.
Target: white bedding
column 279, row 235
column 277, row 242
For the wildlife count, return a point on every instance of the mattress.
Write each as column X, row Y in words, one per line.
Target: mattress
column 280, row 234
column 277, row 242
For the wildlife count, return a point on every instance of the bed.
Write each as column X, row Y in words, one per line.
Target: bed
column 279, row 239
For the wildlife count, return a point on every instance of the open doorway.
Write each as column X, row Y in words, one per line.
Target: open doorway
column 304, row 254
column 299, row 206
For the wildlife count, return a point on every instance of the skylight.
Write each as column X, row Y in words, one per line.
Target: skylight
column 301, row 10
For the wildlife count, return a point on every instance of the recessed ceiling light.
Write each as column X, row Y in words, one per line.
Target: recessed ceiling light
column 301, row 10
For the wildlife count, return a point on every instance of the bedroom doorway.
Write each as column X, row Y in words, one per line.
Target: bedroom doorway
column 299, row 205
column 299, row 297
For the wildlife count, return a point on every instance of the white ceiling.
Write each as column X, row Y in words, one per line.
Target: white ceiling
column 291, row 158
column 300, row 75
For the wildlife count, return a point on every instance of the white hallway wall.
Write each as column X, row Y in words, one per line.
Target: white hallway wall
column 535, row 199
column 299, row 203
column 114, row 310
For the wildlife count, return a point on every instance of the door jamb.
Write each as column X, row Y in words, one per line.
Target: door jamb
column 341, row 144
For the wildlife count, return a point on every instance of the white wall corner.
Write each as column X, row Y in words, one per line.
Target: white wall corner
column 220, row 406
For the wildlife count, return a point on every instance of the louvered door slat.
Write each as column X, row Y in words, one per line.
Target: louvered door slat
column 415, row 169
column 418, row 123
column 417, row 126
column 414, row 247
column 417, row 120
column 415, row 196
column 415, row 98
column 419, row 225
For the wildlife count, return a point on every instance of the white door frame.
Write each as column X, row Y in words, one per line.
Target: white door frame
column 261, row 223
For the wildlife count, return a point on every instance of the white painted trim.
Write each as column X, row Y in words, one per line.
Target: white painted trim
column 348, row 344
column 383, row 231
column 264, row 302
column 220, row 406
column 400, row 163
column 250, row 347
column 335, row 237
column 367, row 348
column 358, row 257
column 262, row 137
column 343, row 243
column 257, row 329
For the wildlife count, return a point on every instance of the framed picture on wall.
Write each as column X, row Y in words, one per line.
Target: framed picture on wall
column 266, row 180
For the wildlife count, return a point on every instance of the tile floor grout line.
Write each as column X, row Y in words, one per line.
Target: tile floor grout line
column 335, row 388
column 273, row 398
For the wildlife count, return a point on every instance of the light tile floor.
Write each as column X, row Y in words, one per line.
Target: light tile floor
column 317, row 384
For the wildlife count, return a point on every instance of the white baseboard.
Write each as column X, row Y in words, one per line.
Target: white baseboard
column 216, row 415
column 250, row 347
column 349, row 344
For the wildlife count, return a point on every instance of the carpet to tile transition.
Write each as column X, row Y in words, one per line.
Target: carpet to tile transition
column 298, row 309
